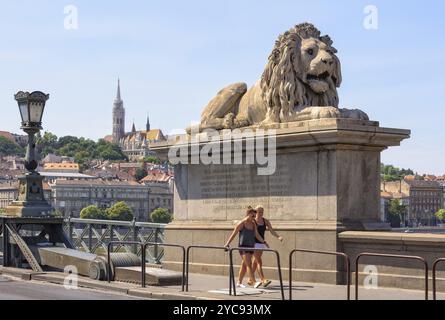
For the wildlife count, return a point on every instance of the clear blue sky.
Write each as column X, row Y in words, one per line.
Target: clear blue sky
column 173, row 56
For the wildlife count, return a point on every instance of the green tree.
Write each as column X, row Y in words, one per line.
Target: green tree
column 397, row 209
column 120, row 211
column 10, row 148
column 48, row 143
column 83, row 150
column 440, row 214
column 58, row 213
column 151, row 159
column 391, row 173
column 161, row 215
column 93, row 212
column 140, row 174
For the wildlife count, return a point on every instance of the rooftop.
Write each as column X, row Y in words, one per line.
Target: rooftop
column 423, row 184
column 97, row 182
column 72, row 175
column 157, row 176
column 63, row 165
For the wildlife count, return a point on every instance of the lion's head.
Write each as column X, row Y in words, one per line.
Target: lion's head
column 302, row 71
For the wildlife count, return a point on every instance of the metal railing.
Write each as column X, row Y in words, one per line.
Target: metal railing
column 232, row 273
column 110, row 268
column 94, row 235
column 333, row 253
column 187, row 268
column 381, row 255
column 435, row 264
column 146, row 245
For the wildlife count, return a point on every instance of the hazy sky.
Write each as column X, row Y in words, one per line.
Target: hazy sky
column 173, row 57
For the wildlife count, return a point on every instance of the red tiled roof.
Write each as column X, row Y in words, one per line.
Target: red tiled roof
column 157, row 176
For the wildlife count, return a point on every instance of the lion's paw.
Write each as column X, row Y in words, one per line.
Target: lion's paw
column 323, row 112
column 229, row 121
column 354, row 114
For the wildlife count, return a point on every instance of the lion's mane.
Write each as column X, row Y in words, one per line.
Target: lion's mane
column 281, row 83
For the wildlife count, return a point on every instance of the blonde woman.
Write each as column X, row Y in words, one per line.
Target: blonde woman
column 248, row 235
column 262, row 225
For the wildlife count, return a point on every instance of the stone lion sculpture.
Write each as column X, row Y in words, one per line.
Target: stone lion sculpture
column 299, row 82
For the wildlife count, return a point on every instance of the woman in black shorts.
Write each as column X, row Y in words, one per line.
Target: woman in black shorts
column 248, row 234
column 262, row 224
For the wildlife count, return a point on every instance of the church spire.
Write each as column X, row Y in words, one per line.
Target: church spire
column 133, row 129
column 118, row 95
column 147, row 125
column 118, row 116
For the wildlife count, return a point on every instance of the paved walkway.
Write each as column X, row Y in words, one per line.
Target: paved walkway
column 301, row 291
column 200, row 287
column 12, row 288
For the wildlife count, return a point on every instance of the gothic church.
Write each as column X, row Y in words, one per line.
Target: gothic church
column 134, row 144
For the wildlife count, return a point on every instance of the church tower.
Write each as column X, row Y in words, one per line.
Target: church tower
column 147, row 125
column 118, row 116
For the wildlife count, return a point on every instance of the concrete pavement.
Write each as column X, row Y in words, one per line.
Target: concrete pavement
column 201, row 287
column 12, row 288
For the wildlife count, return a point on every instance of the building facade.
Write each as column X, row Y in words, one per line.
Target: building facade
column 71, row 196
column 423, row 199
column 161, row 186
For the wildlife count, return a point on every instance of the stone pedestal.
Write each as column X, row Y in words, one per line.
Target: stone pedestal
column 327, row 180
column 31, row 201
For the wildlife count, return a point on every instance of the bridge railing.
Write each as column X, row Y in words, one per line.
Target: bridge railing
column 94, row 236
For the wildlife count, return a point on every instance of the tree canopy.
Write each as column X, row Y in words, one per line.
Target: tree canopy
column 83, row 150
column 440, row 214
column 396, row 208
column 10, row 148
column 151, row 159
column 391, row 173
column 120, row 211
column 140, row 174
column 93, row 212
column 161, row 215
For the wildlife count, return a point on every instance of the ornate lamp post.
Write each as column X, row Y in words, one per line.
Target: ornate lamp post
column 31, row 201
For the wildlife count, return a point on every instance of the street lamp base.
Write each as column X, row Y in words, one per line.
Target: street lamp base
column 29, row 209
column 31, row 200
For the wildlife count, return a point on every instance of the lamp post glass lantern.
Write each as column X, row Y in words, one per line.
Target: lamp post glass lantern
column 31, row 107
column 31, row 201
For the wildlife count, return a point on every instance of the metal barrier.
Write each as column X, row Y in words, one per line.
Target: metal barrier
column 92, row 235
column 126, row 243
column 434, row 277
column 366, row 254
column 333, row 253
column 173, row 246
column 188, row 262
column 232, row 274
